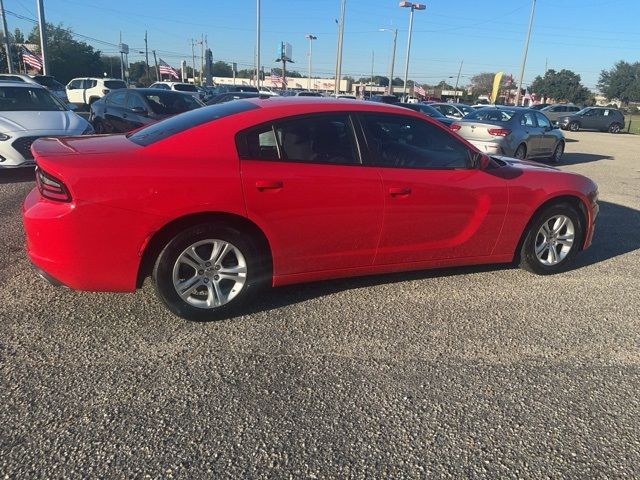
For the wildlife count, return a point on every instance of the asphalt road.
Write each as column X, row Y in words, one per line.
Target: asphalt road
column 478, row 372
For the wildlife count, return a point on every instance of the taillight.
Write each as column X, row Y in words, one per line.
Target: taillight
column 499, row 132
column 454, row 127
column 50, row 187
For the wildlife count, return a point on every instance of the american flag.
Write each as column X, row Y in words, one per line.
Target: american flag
column 30, row 58
column 166, row 69
column 277, row 80
column 419, row 90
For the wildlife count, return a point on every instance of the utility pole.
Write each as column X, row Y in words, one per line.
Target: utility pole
column 455, row 90
column 121, row 58
column 43, row 38
column 258, row 44
column 201, row 58
column 7, row 46
column 525, row 51
column 155, row 60
column 343, row 6
column 311, row 38
column 546, row 62
column 372, row 60
column 393, row 57
column 193, row 60
column 146, row 53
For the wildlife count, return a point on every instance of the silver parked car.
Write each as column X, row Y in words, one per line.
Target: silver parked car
column 512, row 131
column 452, row 110
column 553, row 112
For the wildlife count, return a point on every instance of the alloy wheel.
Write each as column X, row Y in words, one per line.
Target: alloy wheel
column 209, row 273
column 554, row 240
column 557, row 155
column 521, row 152
column 615, row 128
column 574, row 126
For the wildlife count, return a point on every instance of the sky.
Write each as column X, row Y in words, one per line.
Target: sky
column 585, row 36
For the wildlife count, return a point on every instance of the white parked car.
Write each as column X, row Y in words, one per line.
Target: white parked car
column 47, row 81
column 28, row 112
column 84, row 91
column 181, row 87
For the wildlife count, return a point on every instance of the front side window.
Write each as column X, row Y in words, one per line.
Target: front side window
column 407, row 142
column 171, row 103
column 317, row 139
column 75, row 84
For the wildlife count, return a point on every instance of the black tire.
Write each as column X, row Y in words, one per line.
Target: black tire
column 556, row 157
column 574, row 126
column 256, row 273
column 521, row 152
column 614, row 128
column 528, row 258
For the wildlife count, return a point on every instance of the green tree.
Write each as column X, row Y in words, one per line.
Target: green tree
column 622, row 82
column 482, row 83
column 444, row 85
column 69, row 58
column 18, row 36
column 221, row 69
column 561, row 86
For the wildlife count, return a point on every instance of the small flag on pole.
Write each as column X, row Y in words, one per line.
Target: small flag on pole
column 419, row 90
column 30, row 58
column 166, row 69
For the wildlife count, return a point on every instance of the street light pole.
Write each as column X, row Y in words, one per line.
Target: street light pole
column 43, row 38
column 412, row 6
column 393, row 57
column 455, row 90
column 311, row 38
column 258, row 44
column 6, row 38
column 525, row 51
column 343, row 6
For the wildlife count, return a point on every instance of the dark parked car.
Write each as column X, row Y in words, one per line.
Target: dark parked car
column 539, row 106
column 235, row 88
column 127, row 109
column 385, row 98
column 604, row 119
column 227, row 97
column 554, row 112
column 429, row 111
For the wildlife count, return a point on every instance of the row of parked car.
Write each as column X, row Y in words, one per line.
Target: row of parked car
column 114, row 108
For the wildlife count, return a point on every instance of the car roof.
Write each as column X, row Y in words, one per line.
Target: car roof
column 9, row 83
column 150, row 90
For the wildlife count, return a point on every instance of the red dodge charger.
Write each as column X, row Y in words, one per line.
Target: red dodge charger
column 219, row 201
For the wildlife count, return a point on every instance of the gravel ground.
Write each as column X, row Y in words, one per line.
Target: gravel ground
column 484, row 372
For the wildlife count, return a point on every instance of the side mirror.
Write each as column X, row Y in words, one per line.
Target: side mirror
column 479, row 160
column 139, row 111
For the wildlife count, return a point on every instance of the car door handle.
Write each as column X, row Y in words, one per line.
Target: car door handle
column 269, row 185
column 399, row 191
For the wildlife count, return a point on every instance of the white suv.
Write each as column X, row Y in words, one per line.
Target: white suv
column 84, row 91
column 47, row 81
column 181, row 87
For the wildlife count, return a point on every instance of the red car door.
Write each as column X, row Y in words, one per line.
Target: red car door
column 305, row 186
column 437, row 206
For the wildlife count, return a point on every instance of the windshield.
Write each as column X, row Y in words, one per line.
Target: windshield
column 184, row 87
column 114, row 84
column 179, row 123
column 49, row 82
column 430, row 111
column 465, row 109
column 491, row 115
column 169, row 103
column 17, row 99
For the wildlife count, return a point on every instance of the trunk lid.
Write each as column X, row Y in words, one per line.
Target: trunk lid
column 478, row 130
column 84, row 145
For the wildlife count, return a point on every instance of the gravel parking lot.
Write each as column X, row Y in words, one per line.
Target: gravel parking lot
column 473, row 372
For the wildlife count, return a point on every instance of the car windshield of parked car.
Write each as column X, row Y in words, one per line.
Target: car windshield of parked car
column 179, row 123
column 17, row 99
column 430, row 111
column 491, row 115
column 183, row 87
column 465, row 109
column 583, row 111
column 49, row 82
column 114, row 84
column 169, row 103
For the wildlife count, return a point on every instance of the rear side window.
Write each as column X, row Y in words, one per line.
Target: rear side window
column 114, row 84
column 161, row 130
column 90, row 83
column 407, row 142
column 324, row 138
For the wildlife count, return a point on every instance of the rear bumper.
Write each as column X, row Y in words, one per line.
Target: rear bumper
column 49, row 278
column 82, row 247
column 490, row 148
